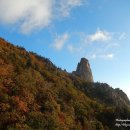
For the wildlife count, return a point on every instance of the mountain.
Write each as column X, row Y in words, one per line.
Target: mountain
column 84, row 71
column 37, row 95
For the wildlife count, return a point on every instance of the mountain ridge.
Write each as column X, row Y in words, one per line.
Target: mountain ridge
column 37, row 95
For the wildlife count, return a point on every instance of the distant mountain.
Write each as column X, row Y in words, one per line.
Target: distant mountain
column 37, row 95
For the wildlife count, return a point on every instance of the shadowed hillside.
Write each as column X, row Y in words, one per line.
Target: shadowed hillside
column 36, row 95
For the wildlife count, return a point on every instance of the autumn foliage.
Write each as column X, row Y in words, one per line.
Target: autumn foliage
column 37, row 95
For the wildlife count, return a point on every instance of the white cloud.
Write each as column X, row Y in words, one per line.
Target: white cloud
column 60, row 41
column 66, row 5
column 108, row 56
column 123, row 36
column 73, row 49
column 99, row 36
column 102, row 56
column 94, row 56
column 29, row 15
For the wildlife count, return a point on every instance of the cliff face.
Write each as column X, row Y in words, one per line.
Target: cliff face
column 84, row 71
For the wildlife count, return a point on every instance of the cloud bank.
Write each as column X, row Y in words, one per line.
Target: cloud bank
column 30, row 15
column 95, row 49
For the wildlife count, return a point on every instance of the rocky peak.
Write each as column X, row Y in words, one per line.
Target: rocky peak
column 83, row 70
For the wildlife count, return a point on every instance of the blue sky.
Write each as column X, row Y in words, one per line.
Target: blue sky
column 66, row 30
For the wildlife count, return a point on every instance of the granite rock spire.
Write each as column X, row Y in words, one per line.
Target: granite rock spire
column 83, row 70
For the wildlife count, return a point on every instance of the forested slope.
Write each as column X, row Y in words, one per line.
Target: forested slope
column 37, row 95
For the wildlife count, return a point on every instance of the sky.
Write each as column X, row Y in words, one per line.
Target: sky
column 67, row 30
